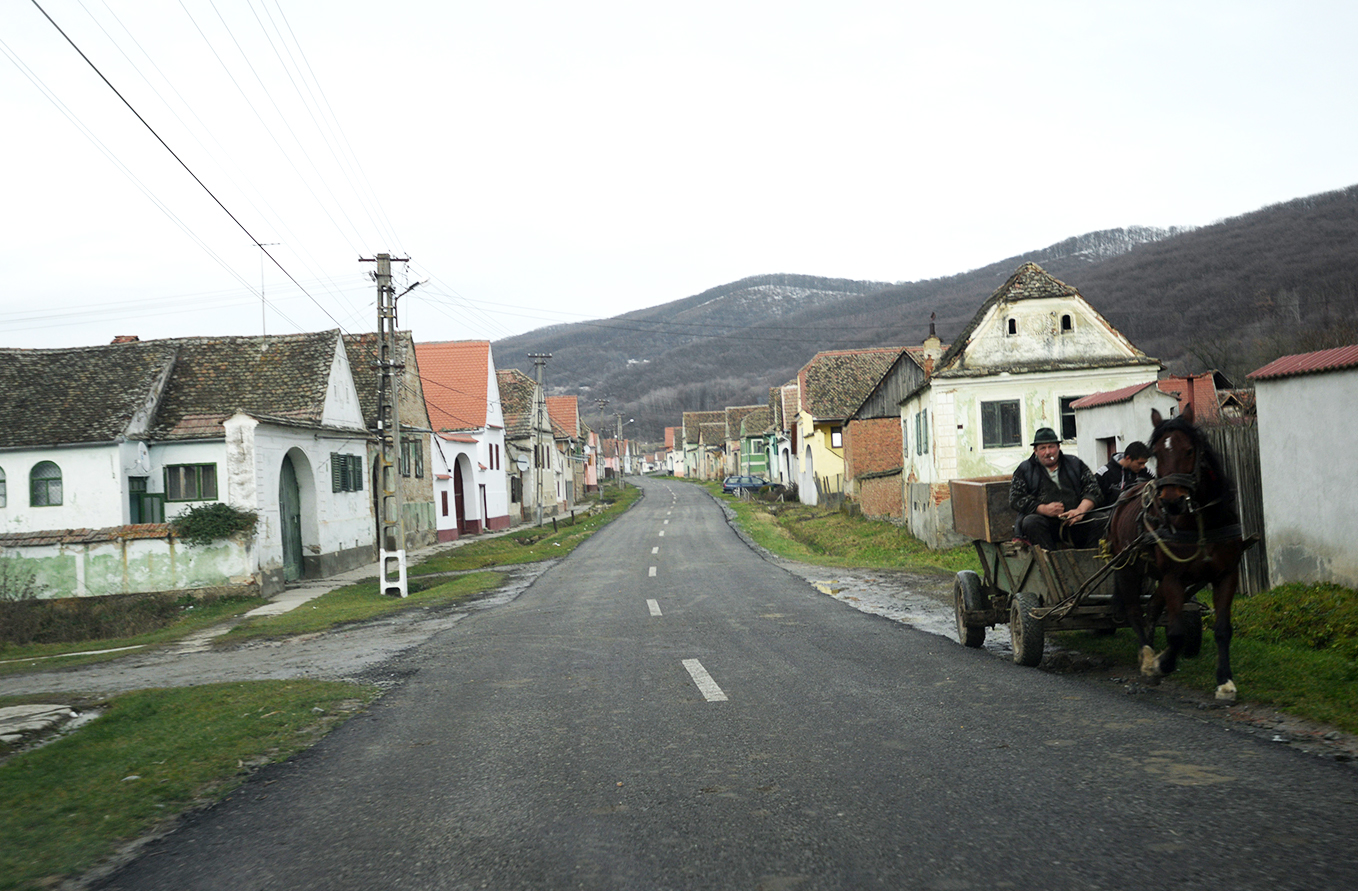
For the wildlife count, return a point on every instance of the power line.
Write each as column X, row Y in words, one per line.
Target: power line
column 190, row 172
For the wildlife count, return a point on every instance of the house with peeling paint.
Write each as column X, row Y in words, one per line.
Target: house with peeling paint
column 467, row 437
column 100, row 446
column 1032, row 350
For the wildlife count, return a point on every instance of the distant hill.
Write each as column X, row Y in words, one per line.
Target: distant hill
column 1232, row 295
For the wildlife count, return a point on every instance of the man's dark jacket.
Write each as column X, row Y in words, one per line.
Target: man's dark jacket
column 1074, row 474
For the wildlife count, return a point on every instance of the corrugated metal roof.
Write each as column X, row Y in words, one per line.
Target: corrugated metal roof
column 1111, row 397
column 1308, row 363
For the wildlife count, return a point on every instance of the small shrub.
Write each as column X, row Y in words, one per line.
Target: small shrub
column 206, row 523
column 76, row 619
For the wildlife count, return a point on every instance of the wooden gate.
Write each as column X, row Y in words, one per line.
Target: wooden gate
column 1238, row 447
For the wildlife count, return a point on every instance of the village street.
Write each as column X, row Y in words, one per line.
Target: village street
column 664, row 709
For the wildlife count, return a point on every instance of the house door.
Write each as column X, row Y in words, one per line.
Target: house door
column 290, row 519
column 458, row 503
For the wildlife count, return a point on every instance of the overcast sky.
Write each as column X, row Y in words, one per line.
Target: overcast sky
column 556, row 162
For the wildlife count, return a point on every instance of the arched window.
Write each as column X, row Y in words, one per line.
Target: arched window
column 1067, row 324
column 2, row 487
column 1013, row 326
column 44, row 485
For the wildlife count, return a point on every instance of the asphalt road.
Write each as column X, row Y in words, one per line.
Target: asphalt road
column 667, row 709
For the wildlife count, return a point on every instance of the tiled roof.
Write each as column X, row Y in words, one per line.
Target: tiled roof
column 95, row 394
column 1111, row 397
column 1308, row 363
column 833, row 384
column 39, row 538
column 565, row 414
column 83, row 394
column 516, row 401
column 734, row 415
column 362, row 350
column 281, row 375
column 456, row 375
column 693, row 421
column 756, row 422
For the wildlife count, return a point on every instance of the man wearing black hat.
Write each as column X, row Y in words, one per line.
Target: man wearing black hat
column 1051, row 493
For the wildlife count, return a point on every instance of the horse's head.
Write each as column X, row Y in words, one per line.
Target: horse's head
column 1177, row 456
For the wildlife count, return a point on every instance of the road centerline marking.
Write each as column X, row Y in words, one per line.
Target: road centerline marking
column 704, row 682
column 655, row 550
column 652, row 572
column 654, row 607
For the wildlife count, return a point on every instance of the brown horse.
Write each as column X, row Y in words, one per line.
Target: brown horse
column 1182, row 530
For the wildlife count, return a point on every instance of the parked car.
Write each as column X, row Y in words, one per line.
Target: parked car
column 736, row 485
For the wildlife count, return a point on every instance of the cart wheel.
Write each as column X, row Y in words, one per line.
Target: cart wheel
column 967, row 595
column 1192, row 633
column 1025, row 632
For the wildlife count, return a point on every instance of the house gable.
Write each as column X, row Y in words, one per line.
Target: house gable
column 1035, row 322
column 342, row 406
column 459, row 384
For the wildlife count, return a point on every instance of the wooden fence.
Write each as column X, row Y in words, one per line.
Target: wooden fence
column 1237, row 445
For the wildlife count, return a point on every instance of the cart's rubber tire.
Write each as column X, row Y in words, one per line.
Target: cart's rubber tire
column 1025, row 632
column 1192, row 633
column 967, row 595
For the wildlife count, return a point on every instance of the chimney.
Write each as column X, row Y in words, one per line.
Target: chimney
column 126, row 338
column 933, row 347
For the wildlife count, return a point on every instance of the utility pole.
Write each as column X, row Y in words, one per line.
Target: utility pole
column 391, row 544
column 541, row 453
column 622, row 459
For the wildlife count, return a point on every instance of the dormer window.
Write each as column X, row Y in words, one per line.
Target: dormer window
column 1067, row 324
column 1013, row 327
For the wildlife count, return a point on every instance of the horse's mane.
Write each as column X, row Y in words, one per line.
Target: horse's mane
column 1214, row 482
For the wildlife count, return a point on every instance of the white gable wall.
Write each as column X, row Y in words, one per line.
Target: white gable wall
column 1309, row 527
column 342, row 408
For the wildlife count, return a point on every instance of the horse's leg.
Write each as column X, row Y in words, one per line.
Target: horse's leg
column 1223, row 592
column 1127, row 583
column 1171, row 599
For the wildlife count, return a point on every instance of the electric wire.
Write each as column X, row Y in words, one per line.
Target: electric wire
column 186, row 167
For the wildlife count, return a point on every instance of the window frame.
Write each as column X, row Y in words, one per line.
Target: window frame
column 3, row 488
column 198, row 479
column 34, row 479
column 346, row 472
column 837, row 437
column 994, row 434
column 1067, row 412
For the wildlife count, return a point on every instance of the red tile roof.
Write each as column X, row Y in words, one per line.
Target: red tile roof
column 1308, row 363
column 456, row 375
column 1111, row 397
column 564, row 412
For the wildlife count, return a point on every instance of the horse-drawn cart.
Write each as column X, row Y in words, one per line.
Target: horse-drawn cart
column 1033, row 590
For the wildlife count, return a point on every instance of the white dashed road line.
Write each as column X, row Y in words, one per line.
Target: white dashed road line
column 706, row 685
column 653, row 607
column 652, row 572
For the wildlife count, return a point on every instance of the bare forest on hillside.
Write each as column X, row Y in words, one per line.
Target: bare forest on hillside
column 1229, row 296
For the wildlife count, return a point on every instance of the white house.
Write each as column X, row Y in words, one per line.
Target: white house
column 1033, row 349
column 537, row 467
column 471, row 485
column 100, row 445
column 1107, row 422
column 1308, row 445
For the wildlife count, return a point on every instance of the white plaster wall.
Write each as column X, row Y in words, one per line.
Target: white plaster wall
column 1124, row 422
column 331, row 521
column 92, row 483
column 342, row 408
column 1308, row 447
column 163, row 456
column 1039, row 337
column 1039, row 396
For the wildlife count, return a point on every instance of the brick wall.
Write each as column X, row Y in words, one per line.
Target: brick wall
column 872, row 446
column 880, row 497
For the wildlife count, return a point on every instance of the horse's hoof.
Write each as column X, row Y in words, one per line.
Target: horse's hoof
column 1226, row 692
column 1150, row 665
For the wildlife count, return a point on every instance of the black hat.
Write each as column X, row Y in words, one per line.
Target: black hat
column 1045, row 435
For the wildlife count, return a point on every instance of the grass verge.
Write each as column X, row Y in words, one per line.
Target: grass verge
column 360, row 602
column 834, row 538
column 531, row 545
column 1292, row 650
column 72, row 803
